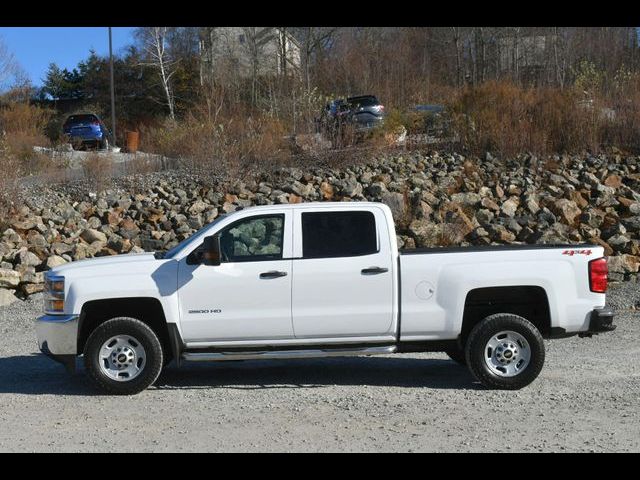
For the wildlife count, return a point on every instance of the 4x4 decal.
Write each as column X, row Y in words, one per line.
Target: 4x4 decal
column 571, row 253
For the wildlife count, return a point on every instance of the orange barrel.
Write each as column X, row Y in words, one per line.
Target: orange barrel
column 133, row 139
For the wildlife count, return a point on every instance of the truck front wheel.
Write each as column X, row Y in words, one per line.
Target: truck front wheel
column 505, row 351
column 123, row 356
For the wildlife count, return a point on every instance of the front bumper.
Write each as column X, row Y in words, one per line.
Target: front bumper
column 58, row 337
column 601, row 320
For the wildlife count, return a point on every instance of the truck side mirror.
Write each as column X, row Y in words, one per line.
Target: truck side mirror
column 211, row 250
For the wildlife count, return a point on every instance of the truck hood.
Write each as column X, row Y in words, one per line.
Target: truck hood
column 117, row 276
column 102, row 262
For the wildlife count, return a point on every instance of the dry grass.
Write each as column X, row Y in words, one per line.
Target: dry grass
column 230, row 148
column 502, row 117
column 21, row 127
column 624, row 129
column 98, row 171
column 8, row 182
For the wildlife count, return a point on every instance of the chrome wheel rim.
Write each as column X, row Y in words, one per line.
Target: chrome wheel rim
column 122, row 358
column 507, row 354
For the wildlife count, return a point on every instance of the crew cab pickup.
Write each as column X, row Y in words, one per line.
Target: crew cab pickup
column 319, row 280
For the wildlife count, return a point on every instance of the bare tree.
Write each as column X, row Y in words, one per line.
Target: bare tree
column 458, row 46
column 313, row 40
column 255, row 41
column 9, row 67
column 154, row 41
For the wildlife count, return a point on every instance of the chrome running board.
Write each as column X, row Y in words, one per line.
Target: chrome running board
column 284, row 354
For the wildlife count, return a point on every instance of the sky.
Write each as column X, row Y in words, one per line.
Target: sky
column 35, row 48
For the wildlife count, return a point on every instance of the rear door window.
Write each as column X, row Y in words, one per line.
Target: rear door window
column 338, row 234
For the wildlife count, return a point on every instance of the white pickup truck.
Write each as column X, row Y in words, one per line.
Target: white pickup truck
column 319, row 280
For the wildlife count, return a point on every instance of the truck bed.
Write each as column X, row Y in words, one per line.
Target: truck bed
column 490, row 248
column 435, row 288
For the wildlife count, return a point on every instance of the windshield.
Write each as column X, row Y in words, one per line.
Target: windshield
column 200, row 233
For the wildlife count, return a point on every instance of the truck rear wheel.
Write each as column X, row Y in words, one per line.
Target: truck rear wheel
column 505, row 351
column 123, row 356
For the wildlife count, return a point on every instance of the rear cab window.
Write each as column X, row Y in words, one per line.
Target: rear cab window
column 338, row 234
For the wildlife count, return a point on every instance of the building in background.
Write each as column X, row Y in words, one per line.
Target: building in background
column 248, row 51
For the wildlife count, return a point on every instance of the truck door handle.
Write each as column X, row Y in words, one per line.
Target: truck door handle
column 273, row 274
column 373, row 270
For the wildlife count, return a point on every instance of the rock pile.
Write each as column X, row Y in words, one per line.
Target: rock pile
column 436, row 199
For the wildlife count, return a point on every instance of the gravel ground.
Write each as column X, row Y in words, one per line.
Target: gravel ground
column 586, row 399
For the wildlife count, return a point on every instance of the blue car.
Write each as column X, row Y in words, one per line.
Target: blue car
column 86, row 130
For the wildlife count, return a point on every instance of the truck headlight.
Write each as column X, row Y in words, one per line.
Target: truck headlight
column 53, row 294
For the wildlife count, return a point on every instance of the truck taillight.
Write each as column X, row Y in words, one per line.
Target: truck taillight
column 598, row 275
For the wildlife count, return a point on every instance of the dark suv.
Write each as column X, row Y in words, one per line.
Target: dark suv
column 366, row 111
column 86, row 130
column 362, row 112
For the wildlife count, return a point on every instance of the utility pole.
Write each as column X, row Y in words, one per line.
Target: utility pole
column 113, row 98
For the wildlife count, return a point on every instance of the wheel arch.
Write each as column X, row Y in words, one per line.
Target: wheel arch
column 146, row 309
column 528, row 301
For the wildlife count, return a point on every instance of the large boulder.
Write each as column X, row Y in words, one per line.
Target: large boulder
column 510, row 206
column 426, row 233
column 9, row 278
column 488, row 203
column 396, row 202
column 624, row 264
column 613, row 181
column 26, row 224
column 351, row 188
column 91, row 235
column 376, row 189
column 532, row 204
column 567, row 210
column 29, row 259
column 470, row 199
column 55, row 261
column 198, row 207
column 7, row 297
column 500, row 234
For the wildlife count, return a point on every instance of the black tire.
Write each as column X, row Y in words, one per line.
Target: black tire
column 142, row 333
column 457, row 355
column 104, row 143
column 480, row 336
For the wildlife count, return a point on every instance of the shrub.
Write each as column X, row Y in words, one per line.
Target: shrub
column 21, row 128
column 503, row 117
column 622, row 120
column 227, row 148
